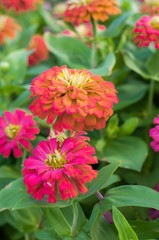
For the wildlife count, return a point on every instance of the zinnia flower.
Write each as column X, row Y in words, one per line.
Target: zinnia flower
column 15, row 131
column 20, row 5
column 60, row 166
column 153, row 213
column 147, row 31
column 77, row 99
column 8, row 28
column 150, row 6
column 81, row 11
column 154, row 133
column 41, row 51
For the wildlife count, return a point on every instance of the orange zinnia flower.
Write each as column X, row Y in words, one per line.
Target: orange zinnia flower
column 79, row 99
column 81, row 11
column 21, row 5
column 41, row 51
column 8, row 28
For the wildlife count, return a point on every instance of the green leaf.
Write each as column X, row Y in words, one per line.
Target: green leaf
column 37, row 70
column 130, row 196
column 124, row 228
column 99, row 228
column 61, row 219
column 103, row 176
column 152, row 66
column 15, row 196
column 25, row 220
column 131, row 151
column 50, row 21
column 145, row 230
column 136, row 64
column 116, row 27
column 46, row 234
column 22, row 99
column 113, row 179
column 18, row 65
column 106, row 67
column 8, row 172
column 57, row 220
column 130, row 93
column 71, row 51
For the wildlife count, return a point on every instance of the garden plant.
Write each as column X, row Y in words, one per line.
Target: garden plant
column 79, row 119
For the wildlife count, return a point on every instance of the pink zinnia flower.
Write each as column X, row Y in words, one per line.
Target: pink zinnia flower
column 147, row 31
column 77, row 99
column 60, row 166
column 149, row 6
column 20, row 5
column 153, row 213
column 154, row 133
column 15, row 131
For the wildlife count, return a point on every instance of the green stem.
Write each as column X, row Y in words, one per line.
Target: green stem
column 150, row 99
column 75, row 219
column 26, row 236
column 149, row 160
column 94, row 30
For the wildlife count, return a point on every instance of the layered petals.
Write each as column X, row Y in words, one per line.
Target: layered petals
column 147, row 31
column 81, row 11
column 78, row 99
column 60, row 166
column 15, row 131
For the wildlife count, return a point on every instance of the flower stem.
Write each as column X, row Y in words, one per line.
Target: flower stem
column 150, row 99
column 107, row 214
column 148, row 162
column 75, row 219
column 94, row 30
column 26, row 236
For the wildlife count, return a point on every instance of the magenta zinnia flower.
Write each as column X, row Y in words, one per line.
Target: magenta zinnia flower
column 60, row 166
column 154, row 133
column 15, row 131
column 147, row 31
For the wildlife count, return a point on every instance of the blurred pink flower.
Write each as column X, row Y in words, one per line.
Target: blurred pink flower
column 154, row 133
column 20, row 5
column 147, row 31
column 15, row 131
column 149, row 6
column 60, row 166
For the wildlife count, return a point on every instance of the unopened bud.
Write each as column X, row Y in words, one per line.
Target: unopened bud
column 4, row 67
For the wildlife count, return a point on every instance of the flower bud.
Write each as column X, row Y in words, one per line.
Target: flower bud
column 4, row 67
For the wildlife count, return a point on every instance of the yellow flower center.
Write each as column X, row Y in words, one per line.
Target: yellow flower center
column 12, row 131
column 155, row 22
column 76, row 80
column 60, row 136
column 152, row 3
column 2, row 21
column 56, row 160
column 78, row 3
